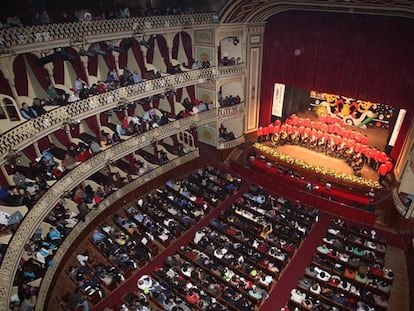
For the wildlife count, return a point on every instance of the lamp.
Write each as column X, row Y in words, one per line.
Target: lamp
column 83, row 52
column 145, row 44
column 236, row 41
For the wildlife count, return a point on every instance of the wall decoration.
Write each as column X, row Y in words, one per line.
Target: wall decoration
column 205, row 54
column 203, row 37
column 255, row 39
column 351, row 111
column 205, row 95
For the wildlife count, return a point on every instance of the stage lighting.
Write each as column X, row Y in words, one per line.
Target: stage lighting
column 83, row 52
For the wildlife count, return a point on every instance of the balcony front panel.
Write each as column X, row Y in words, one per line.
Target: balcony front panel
column 17, row 40
column 25, row 134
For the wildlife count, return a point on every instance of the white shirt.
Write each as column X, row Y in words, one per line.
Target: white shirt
column 4, row 218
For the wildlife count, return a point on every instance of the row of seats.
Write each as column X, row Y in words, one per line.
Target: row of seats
column 346, row 273
column 230, row 264
column 131, row 237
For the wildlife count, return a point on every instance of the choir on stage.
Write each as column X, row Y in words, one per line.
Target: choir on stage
column 327, row 135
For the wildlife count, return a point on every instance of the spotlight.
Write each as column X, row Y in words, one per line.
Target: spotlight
column 236, row 40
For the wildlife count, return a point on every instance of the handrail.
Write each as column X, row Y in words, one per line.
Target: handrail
column 43, row 206
column 15, row 40
column 231, row 143
column 24, row 134
column 93, row 214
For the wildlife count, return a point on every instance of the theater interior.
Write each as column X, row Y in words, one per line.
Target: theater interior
column 224, row 155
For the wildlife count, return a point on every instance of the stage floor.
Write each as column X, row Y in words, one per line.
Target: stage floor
column 321, row 159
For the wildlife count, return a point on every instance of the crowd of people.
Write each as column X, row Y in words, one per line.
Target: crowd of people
column 233, row 262
column 327, row 135
column 346, row 272
column 134, row 235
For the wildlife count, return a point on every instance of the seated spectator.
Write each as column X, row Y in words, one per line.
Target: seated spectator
column 37, row 106
column 51, row 93
column 94, row 147
column 297, row 296
column 137, row 76
column 68, row 162
column 27, row 112
column 20, row 180
column 101, row 87
column 84, row 154
column 76, row 300
column 79, row 84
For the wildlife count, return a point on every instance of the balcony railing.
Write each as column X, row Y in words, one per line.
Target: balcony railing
column 43, row 206
column 231, row 143
column 71, row 238
column 23, row 135
column 15, row 40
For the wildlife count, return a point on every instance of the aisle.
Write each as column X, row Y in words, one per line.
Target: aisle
column 280, row 294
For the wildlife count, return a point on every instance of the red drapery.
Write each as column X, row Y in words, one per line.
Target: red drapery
column 104, row 118
column 62, row 137
column 109, row 58
column 139, row 57
column 191, row 91
column 150, row 52
column 93, row 65
column 39, row 71
column 4, row 86
column 364, row 57
column 58, row 71
column 188, row 47
column 20, row 79
column 176, row 44
column 30, row 152
column 77, row 64
column 93, row 126
column 43, row 143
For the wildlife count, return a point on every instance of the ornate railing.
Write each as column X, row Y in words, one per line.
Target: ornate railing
column 230, row 110
column 23, row 135
column 23, row 39
column 399, row 205
column 71, row 238
column 231, row 143
column 73, row 178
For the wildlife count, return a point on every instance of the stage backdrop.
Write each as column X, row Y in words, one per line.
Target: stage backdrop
column 358, row 56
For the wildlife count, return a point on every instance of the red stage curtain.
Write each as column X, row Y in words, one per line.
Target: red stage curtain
column 363, row 57
column 188, row 47
column 20, row 79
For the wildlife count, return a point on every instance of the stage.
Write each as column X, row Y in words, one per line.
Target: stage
column 315, row 158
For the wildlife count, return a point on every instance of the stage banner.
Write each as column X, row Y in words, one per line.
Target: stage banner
column 397, row 127
column 278, row 97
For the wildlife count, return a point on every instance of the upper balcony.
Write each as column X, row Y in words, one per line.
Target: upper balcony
column 26, row 133
column 17, row 40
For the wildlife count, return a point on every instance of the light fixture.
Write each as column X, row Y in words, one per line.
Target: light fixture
column 145, row 44
column 236, row 41
column 83, row 52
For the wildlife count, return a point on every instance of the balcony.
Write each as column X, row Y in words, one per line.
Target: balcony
column 17, row 40
column 25, row 134
column 231, row 143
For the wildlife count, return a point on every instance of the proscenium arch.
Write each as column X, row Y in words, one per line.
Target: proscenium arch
column 244, row 11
